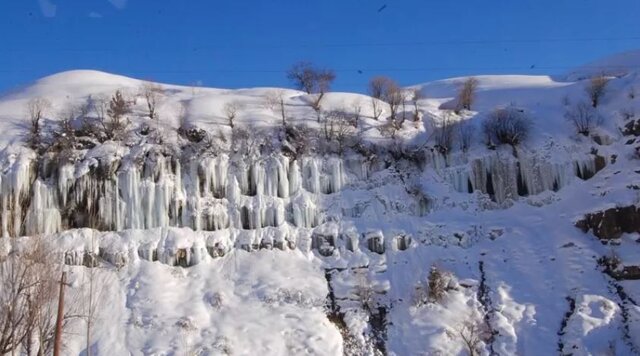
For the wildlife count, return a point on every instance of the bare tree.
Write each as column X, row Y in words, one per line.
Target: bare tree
column 444, row 133
column 36, row 109
column 466, row 94
column 152, row 93
column 376, row 106
column 356, row 106
column 387, row 90
column 231, row 111
column 28, row 299
column 394, row 97
column 378, row 86
column 416, row 95
column 313, row 80
column 584, row 118
column 275, row 103
column 596, row 89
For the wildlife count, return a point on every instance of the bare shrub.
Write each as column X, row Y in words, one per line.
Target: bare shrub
column 388, row 129
column 438, row 283
column 508, row 125
column 36, row 109
column 338, row 127
column 596, row 89
column 299, row 140
column 471, row 335
column 444, row 133
column 466, row 94
column 64, row 135
column 152, row 94
column 584, row 117
column 231, row 111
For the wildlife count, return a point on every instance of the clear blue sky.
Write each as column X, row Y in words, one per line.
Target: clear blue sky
column 239, row 43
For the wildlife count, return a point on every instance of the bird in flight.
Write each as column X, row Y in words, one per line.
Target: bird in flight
column 382, row 8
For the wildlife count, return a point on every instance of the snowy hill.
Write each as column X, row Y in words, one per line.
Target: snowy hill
column 215, row 229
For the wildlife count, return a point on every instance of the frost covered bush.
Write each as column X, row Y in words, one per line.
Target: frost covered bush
column 438, row 282
column 584, row 118
column 508, row 125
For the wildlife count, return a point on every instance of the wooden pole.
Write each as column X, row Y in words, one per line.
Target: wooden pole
column 58, row 336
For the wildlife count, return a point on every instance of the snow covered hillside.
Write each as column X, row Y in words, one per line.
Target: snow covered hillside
column 248, row 222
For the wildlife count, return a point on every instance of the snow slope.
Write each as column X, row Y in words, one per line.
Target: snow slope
column 328, row 253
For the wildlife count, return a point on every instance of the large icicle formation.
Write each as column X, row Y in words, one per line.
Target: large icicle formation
column 110, row 189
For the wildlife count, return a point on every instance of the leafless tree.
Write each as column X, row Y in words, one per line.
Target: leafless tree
column 387, row 90
column 28, row 296
column 467, row 94
column 313, row 80
column 470, row 333
column 36, row 109
column 394, row 97
column 152, row 94
column 584, row 118
column 378, row 86
column 231, row 111
column 416, row 95
column 376, row 106
column 275, row 103
column 508, row 125
column 356, row 106
column 444, row 133
column 596, row 89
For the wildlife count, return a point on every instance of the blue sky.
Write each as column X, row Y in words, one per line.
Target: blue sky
column 241, row 43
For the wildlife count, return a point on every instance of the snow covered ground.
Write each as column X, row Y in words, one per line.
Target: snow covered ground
column 225, row 253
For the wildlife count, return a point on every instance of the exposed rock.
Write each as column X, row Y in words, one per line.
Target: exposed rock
column 611, row 223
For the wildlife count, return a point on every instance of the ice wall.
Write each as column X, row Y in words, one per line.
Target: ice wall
column 149, row 189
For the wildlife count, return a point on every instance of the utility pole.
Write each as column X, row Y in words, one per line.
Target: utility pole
column 58, row 336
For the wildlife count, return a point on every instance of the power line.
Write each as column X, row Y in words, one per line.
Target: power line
column 356, row 70
column 262, row 46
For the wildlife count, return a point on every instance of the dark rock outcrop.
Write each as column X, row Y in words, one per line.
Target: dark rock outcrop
column 611, row 223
